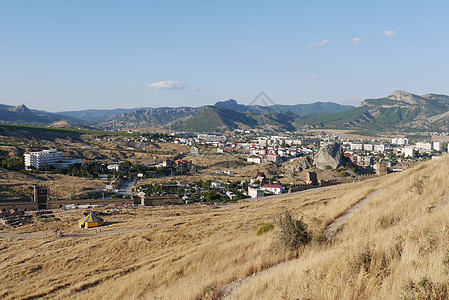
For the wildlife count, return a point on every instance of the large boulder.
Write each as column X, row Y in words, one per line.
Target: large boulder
column 330, row 154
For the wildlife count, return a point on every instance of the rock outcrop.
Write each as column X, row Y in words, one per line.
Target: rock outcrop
column 331, row 155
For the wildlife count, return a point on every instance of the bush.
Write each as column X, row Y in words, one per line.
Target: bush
column 320, row 239
column 293, row 233
column 425, row 289
column 264, row 228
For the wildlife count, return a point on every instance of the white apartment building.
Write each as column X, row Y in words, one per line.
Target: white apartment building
column 379, row 148
column 356, row 146
column 408, row 152
column 400, row 141
column 423, row 146
column 438, row 146
column 211, row 137
column 41, row 158
column 368, row 147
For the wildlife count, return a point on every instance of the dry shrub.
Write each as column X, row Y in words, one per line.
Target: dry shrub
column 264, row 228
column 425, row 289
column 293, row 233
column 363, row 260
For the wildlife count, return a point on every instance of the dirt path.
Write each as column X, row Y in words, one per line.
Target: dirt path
column 333, row 228
column 230, row 290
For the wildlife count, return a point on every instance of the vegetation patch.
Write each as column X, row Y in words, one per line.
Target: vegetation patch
column 264, row 228
column 425, row 289
column 293, row 233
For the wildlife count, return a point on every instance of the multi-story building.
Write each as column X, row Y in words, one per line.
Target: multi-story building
column 212, row 137
column 379, row 148
column 356, row 146
column 368, row 147
column 424, row 146
column 400, row 141
column 273, row 158
column 408, row 152
column 438, row 146
column 41, row 158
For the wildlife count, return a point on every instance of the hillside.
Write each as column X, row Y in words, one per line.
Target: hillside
column 401, row 111
column 95, row 115
column 299, row 109
column 22, row 115
column 395, row 246
column 153, row 118
column 214, row 119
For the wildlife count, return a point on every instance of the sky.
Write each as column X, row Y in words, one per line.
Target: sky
column 76, row 55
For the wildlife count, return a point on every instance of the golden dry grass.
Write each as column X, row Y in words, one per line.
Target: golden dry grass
column 61, row 186
column 192, row 252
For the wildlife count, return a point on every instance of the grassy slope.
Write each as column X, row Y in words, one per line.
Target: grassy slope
column 395, row 247
column 214, row 119
column 190, row 252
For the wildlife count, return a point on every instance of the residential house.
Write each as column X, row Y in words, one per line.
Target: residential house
column 273, row 188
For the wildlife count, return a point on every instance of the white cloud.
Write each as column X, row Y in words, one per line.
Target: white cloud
column 318, row 44
column 389, row 32
column 315, row 77
column 356, row 41
column 167, row 85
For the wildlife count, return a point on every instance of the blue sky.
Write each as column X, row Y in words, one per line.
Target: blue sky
column 72, row 55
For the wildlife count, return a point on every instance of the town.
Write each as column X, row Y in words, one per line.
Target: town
column 199, row 168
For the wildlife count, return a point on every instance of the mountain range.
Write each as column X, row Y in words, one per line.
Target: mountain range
column 400, row 111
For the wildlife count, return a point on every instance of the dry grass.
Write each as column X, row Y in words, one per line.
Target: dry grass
column 384, row 251
column 396, row 246
column 61, row 186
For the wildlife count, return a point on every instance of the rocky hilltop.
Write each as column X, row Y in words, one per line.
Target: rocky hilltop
column 399, row 111
column 330, row 154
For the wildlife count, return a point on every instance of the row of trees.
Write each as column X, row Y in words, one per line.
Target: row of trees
column 12, row 163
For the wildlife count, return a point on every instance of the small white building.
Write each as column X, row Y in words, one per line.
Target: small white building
column 408, row 152
column 254, row 159
column 273, row 188
column 215, row 185
column 115, row 167
column 231, row 195
column 194, row 151
column 255, row 193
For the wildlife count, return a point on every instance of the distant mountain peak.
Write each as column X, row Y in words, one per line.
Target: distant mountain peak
column 21, row 109
column 231, row 104
column 405, row 97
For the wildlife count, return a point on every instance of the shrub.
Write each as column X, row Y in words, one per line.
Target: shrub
column 363, row 260
column 425, row 289
column 320, row 239
column 293, row 233
column 264, row 228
